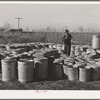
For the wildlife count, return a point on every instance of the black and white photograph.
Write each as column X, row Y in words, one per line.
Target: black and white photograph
column 49, row 46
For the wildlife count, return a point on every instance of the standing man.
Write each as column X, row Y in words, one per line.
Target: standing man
column 67, row 42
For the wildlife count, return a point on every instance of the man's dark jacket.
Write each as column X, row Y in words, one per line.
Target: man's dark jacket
column 67, row 39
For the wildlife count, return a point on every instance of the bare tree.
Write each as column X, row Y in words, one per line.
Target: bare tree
column 33, row 30
column 7, row 26
column 48, row 29
column 27, row 29
column 81, row 29
column 91, row 30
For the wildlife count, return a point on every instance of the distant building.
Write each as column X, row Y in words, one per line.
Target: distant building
column 16, row 30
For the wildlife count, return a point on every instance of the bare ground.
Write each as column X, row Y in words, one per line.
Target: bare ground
column 63, row 84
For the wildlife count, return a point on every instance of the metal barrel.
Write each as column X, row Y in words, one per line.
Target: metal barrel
column 41, row 68
column 65, row 68
column 72, row 73
column 84, row 73
column 26, row 71
column 9, row 69
column 57, row 70
column 95, row 71
column 96, row 41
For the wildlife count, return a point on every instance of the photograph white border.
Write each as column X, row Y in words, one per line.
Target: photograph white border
column 49, row 2
column 49, row 94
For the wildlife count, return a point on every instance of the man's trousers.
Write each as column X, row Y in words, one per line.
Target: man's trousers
column 67, row 49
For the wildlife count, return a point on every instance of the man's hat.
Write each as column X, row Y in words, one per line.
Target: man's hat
column 66, row 30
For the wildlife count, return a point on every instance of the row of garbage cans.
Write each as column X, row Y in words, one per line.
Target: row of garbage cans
column 30, row 70
column 43, row 68
column 83, row 72
column 77, row 73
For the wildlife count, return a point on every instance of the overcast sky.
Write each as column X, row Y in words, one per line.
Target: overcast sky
column 56, row 15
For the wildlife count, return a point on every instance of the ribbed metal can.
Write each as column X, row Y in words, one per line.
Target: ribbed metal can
column 25, row 71
column 72, row 73
column 9, row 69
column 41, row 68
column 84, row 74
column 96, row 41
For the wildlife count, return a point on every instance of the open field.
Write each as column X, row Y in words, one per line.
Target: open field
column 51, row 37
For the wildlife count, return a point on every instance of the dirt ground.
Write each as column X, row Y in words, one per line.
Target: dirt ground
column 63, row 84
